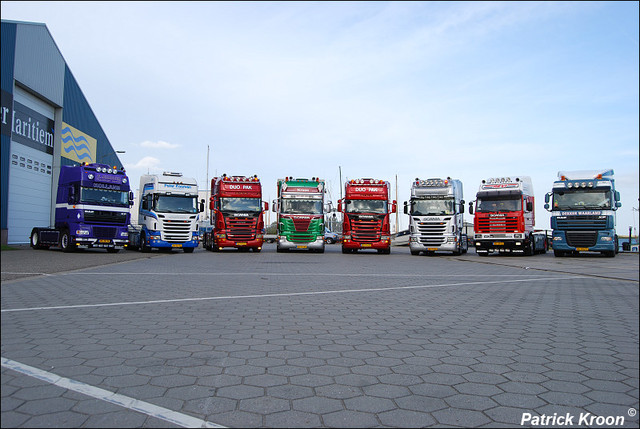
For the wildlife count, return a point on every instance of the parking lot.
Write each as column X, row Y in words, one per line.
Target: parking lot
column 231, row 339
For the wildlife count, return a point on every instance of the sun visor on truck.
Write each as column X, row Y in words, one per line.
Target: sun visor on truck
column 505, row 193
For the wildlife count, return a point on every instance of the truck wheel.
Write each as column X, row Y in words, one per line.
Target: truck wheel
column 280, row 250
column 35, row 240
column 558, row 253
column 257, row 249
column 112, row 250
column 144, row 247
column 415, row 252
column 65, row 242
column 188, row 249
column 610, row 253
column 530, row 250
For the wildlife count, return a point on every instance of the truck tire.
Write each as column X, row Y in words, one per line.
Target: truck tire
column 144, row 247
column 610, row 253
column 35, row 240
column 558, row 253
column 188, row 249
column 531, row 248
column 112, row 250
column 65, row 242
column 415, row 252
column 280, row 250
column 257, row 249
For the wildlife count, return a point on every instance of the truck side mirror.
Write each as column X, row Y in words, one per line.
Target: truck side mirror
column 547, row 196
column 529, row 206
column 201, row 205
column 340, row 206
column 327, row 207
column 406, row 208
column 130, row 198
column 617, row 197
column 462, row 206
column 71, row 198
column 618, row 204
column 274, row 207
column 212, row 203
column 394, row 206
column 470, row 207
column 266, row 206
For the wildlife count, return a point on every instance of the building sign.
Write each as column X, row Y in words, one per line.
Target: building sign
column 26, row 126
column 78, row 146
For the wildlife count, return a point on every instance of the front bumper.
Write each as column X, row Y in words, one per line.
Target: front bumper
column 350, row 244
column 501, row 246
column 221, row 243
column 283, row 243
column 603, row 243
column 165, row 244
column 444, row 247
column 101, row 243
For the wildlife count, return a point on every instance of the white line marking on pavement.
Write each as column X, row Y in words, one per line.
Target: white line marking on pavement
column 151, row 410
column 272, row 295
column 82, row 273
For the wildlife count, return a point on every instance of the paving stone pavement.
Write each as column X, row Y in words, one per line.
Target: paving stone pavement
column 306, row 340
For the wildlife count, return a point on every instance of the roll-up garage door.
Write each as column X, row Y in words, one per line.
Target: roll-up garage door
column 31, row 165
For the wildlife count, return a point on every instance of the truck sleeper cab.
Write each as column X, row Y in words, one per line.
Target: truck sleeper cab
column 168, row 213
column 366, row 210
column 236, row 214
column 505, row 218
column 583, row 212
column 436, row 216
column 300, row 208
column 92, row 210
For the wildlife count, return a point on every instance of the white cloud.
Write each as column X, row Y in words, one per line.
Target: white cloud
column 148, row 162
column 159, row 144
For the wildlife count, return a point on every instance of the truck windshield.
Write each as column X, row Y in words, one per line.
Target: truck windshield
column 175, row 204
column 291, row 206
column 582, row 199
column 366, row 206
column 499, row 204
column 240, row 204
column 432, row 207
column 104, row 196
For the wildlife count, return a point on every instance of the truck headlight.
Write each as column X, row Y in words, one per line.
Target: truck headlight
column 82, row 232
column 606, row 238
column 558, row 238
column 124, row 234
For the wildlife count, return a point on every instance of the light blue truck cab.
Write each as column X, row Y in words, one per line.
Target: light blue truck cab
column 583, row 208
column 168, row 213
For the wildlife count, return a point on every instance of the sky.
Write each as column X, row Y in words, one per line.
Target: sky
column 384, row 90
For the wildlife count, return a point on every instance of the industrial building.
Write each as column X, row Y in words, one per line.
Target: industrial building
column 46, row 123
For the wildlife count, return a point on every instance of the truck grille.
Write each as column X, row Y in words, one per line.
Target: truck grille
column 366, row 230
column 498, row 225
column 432, row 233
column 104, row 232
column 581, row 222
column 581, row 238
column 301, row 230
column 103, row 216
column 241, row 228
column 301, row 225
column 177, row 231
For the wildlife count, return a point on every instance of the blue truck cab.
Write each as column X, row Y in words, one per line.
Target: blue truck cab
column 583, row 208
column 92, row 210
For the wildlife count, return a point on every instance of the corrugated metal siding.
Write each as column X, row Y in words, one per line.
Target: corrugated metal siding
column 78, row 114
column 7, row 52
column 38, row 62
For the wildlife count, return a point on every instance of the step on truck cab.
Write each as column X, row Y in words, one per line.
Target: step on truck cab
column 436, row 216
column 505, row 217
column 301, row 208
column 583, row 212
column 168, row 213
column 236, row 214
column 92, row 210
column 366, row 208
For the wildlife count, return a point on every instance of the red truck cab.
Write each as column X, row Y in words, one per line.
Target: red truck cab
column 236, row 214
column 366, row 211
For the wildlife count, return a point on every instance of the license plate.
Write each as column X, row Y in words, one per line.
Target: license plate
column 366, row 245
column 498, row 243
column 582, row 249
column 302, row 247
column 105, row 241
column 176, row 245
column 432, row 249
column 242, row 244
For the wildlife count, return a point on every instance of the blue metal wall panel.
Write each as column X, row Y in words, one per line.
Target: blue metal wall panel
column 8, row 50
column 38, row 63
column 77, row 113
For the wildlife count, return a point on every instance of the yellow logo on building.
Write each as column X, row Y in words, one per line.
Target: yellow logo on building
column 78, row 146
